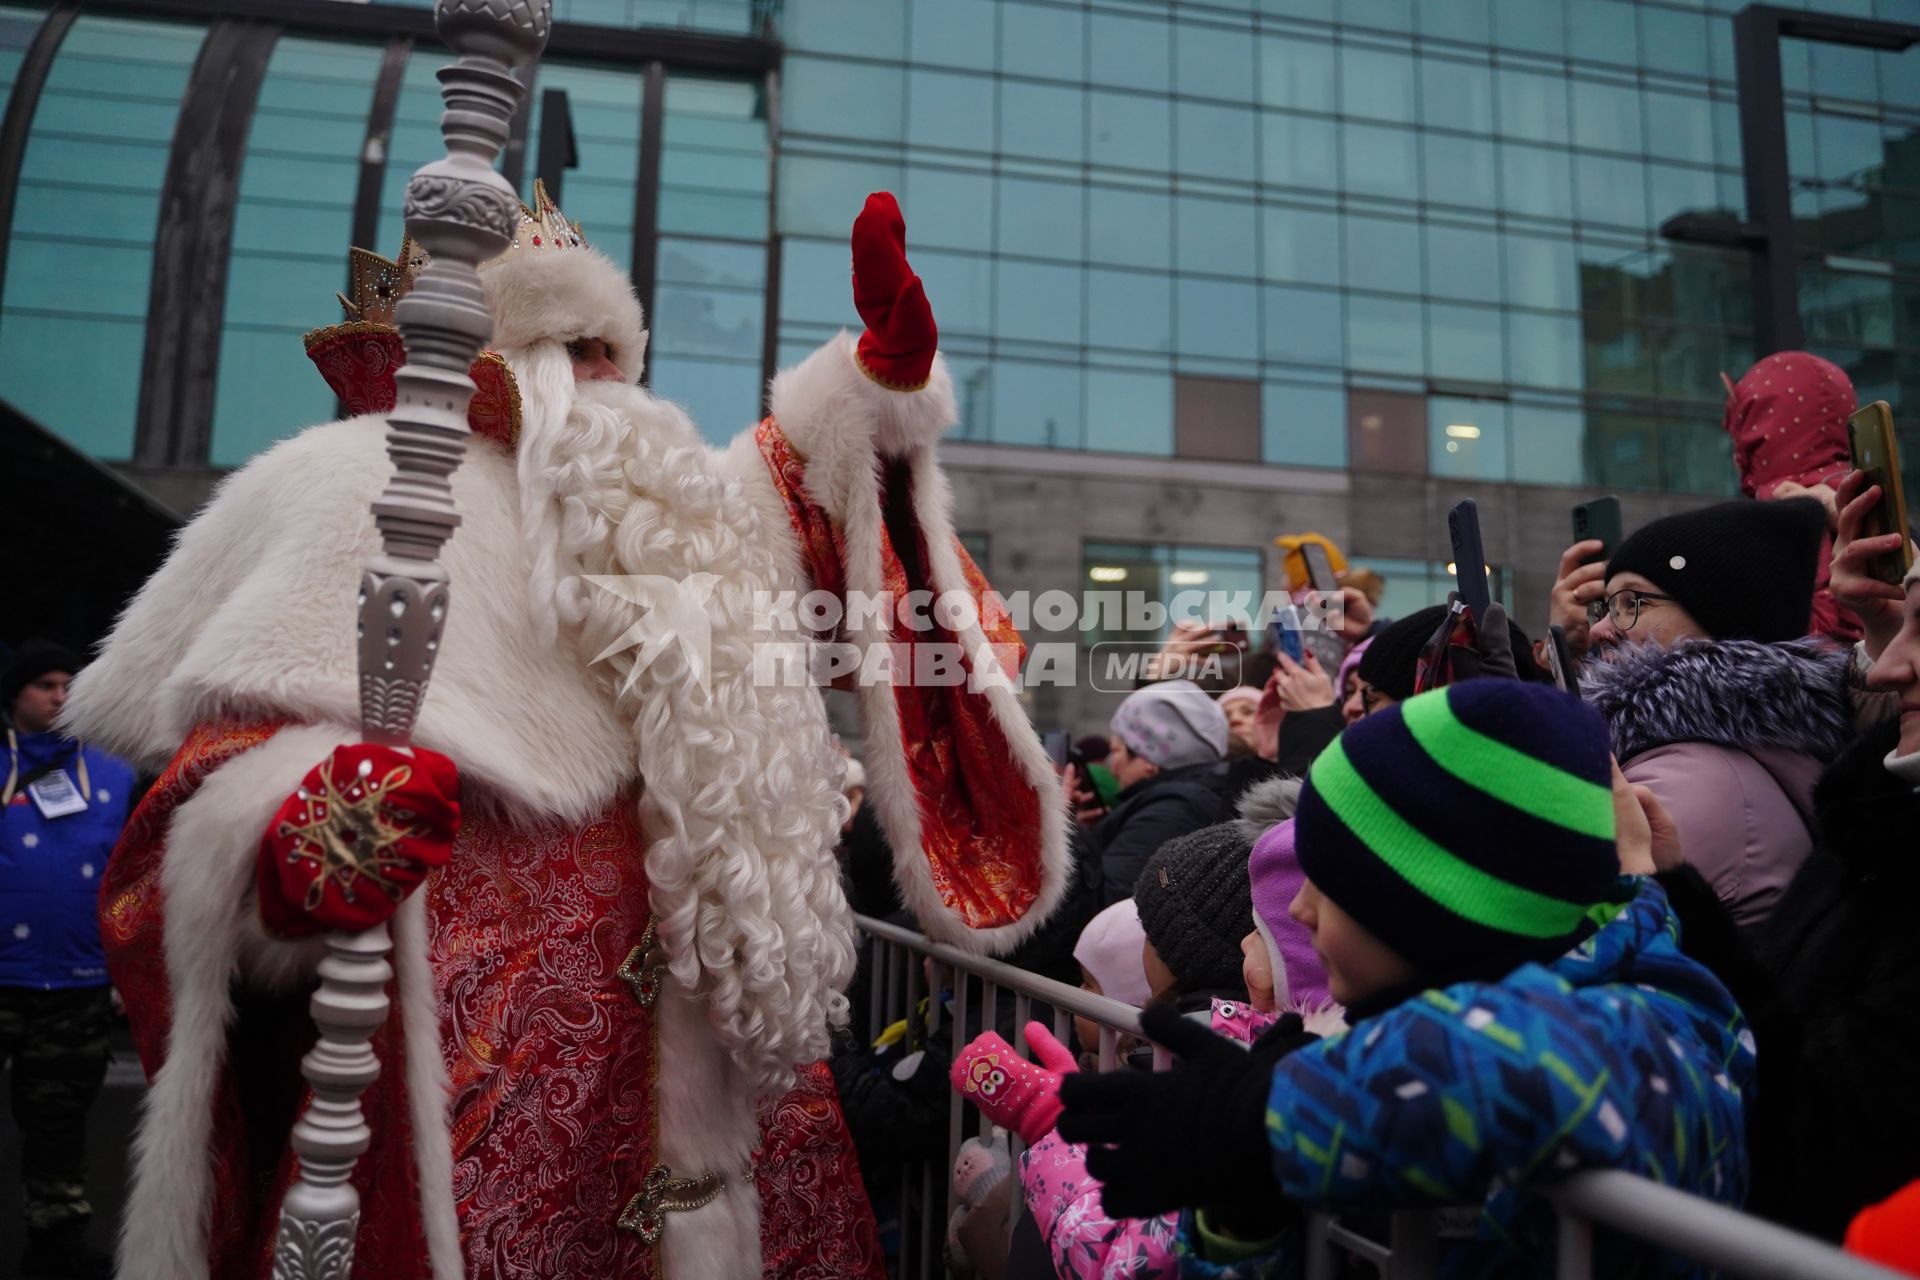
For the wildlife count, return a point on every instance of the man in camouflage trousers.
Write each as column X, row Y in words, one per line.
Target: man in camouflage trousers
column 61, row 809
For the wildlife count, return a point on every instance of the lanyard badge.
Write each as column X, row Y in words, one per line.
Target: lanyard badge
column 55, row 795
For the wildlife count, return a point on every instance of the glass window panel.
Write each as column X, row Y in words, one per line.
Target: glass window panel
column 1602, row 30
column 1041, row 219
column 1529, row 24
column 1465, row 343
column 1217, row 318
column 70, row 288
column 1606, row 117
column 1130, row 310
column 1303, row 426
column 1383, row 254
column 1212, row 62
column 1300, row 244
column 1841, row 71
column 1673, row 188
column 834, row 96
column 1042, row 120
column 1384, row 335
column 1041, row 40
column 1304, row 326
column 1036, row 302
column 1623, row 451
column 1683, row 127
column 1038, row 404
column 952, row 210
column 1130, row 130
column 1130, row 412
column 1215, row 141
column 1387, row 431
column 821, row 197
column 1456, row 95
column 1687, row 363
column 1296, row 73
column 704, row 321
column 874, row 28
column 962, row 283
column 1542, row 272
column 943, row 110
column 1133, row 227
column 1376, row 84
column 713, row 163
column 1612, row 191
column 1460, row 171
column 1317, row 10
column 1899, row 78
column 1380, row 161
column 952, row 33
column 1547, row 445
column 1463, row 263
column 1532, row 106
column 1847, row 147
column 814, row 289
column 1536, row 181
column 1131, row 52
column 1467, row 20
column 1544, row 351
column 1619, row 355
column 1296, row 151
column 1217, row 236
column 1676, row 41
column 1467, row 439
column 1387, row 15
column 1696, row 456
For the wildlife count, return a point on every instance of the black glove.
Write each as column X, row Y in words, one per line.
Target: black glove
column 1192, row 1135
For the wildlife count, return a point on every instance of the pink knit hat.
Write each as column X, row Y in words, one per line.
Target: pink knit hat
column 1113, row 949
column 1299, row 981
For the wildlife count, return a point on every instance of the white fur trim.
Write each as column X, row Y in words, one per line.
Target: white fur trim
column 707, row 1123
column 428, row 1090
column 844, row 425
column 207, row 877
column 557, row 295
column 252, row 616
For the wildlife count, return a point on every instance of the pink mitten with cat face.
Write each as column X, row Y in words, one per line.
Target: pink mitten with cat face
column 1010, row 1091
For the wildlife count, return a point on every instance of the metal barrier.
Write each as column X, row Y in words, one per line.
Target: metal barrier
column 1664, row 1217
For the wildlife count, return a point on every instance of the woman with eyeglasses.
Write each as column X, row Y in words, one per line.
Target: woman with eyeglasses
column 1714, row 697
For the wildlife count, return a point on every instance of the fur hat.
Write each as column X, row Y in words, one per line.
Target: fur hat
column 1744, row 570
column 559, row 296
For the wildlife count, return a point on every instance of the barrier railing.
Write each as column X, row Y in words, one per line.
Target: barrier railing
column 1732, row 1242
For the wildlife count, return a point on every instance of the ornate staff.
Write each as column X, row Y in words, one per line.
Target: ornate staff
column 462, row 213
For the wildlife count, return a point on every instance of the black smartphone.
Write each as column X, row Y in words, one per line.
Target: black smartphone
column 1057, row 745
column 1469, row 557
column 1560, row 659
column 1598, row 518
column 1319, row 568
column 1876, row 450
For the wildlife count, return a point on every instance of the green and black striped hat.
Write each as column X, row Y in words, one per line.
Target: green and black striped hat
column 1469, row 829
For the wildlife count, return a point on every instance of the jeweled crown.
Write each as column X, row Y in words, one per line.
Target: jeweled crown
column 377, row 284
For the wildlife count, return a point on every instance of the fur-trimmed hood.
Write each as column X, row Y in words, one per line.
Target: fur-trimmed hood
column 1730, row 693
column 1266, row 803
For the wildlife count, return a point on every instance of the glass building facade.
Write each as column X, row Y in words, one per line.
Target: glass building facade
column 1412, row 238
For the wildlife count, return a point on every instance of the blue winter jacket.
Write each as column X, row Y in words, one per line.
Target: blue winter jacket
column 1621, row 1054
column 50, row 869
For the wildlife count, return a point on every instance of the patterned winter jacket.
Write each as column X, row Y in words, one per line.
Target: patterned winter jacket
column 1621, row 1054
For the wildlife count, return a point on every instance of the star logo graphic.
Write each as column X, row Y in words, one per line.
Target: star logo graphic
column 348, row 833
column 675, row 613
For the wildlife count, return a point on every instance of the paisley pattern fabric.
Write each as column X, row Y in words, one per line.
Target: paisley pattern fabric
column 359, row 358
column 979, row 822
column 550, row 1057
column 815, row 1220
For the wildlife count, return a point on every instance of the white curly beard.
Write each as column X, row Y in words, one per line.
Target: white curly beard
column 741, row 783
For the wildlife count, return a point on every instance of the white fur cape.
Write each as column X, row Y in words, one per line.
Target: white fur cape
column 251, row 618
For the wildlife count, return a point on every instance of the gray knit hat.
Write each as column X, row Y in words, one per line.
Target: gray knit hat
column 1196, row 904
column 1172, row 723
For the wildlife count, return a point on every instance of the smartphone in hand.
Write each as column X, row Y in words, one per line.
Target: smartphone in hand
column 1469, row 557
column 1320, row 575
column 1283, row 633
column 1598, row 518
column 1560, row 661
column 1876, row 451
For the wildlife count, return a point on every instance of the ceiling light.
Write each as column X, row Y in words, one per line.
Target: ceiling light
column 1463, row 431
column 1188, row 577
column 1107, row 573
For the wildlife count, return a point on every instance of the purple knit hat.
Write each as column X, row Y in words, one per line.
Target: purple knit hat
column 1348, row 666
column 1276, row 875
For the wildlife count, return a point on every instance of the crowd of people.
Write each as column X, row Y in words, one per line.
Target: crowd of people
column 1421, row 928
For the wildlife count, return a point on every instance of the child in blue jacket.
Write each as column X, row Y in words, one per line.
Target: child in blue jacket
column 1517, row 1009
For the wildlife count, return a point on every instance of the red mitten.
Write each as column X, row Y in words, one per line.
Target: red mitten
column 360, row 834
column 1012, row 1092
column 897, row 349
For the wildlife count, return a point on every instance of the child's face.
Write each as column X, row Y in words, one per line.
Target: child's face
column 1358, row 964
column 1256, row 970
column 1160, row 979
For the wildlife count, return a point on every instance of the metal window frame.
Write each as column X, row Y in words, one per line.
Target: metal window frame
column 188, row 287
column 1768, row 234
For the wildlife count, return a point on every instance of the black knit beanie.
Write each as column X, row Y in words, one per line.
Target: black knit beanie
column 1392, row 661
column 1745, row 570
column 33, row 659
column 1196, row 904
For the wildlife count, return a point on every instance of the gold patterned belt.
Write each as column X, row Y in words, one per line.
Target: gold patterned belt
column 662, row 1193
